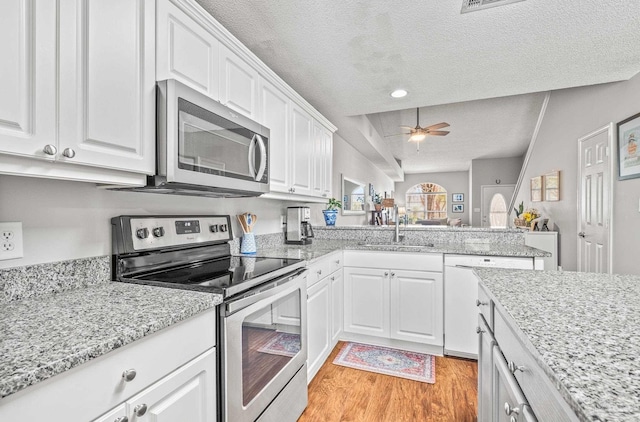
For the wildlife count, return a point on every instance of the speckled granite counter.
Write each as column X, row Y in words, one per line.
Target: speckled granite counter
column 47, row 335
column 582, row 329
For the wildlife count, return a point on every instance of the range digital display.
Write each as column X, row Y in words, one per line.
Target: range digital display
column 187, row 227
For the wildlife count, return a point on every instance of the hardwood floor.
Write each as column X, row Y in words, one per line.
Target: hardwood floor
column 339, row 394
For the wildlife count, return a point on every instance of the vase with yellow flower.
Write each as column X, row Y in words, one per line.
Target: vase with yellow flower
column 529, row 215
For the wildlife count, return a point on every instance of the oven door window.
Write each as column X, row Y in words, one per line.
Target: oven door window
column 211, row 144
column 271, row 338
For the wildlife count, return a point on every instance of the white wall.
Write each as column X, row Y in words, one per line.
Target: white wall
column 350, row 162
column 571, row 114
column 453, row 182
column 488, row 171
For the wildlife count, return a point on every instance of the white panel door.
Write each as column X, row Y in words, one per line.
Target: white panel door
column 275, row 108
column 327, row 150
column 337, row 306
column 494, row 200
column 366, row 301
column 318, row 160
column 486, row 342
column 594, row 202
column 186, row 51
column 318, row 326
column 187, row 394
column 27, row 77
column 416, row 306
column 302, row 150
column 238, row 84
column 107, row 84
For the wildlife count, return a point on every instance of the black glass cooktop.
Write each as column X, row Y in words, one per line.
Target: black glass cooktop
column 224, row 275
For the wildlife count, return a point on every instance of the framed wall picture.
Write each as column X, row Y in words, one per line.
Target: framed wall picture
column 371, row 190
column 536, row 189
column 458, row 207
column 457, row 197
column 552, row 186
column 628, row 151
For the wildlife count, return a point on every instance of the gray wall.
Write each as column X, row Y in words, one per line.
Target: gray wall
column 453, row 182
column 486, row 172
column 350, row 162
column 571, row 114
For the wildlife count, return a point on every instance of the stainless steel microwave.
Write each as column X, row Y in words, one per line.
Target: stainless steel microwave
column 206, row 149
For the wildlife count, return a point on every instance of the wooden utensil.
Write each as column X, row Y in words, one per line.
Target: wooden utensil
column 243, row 223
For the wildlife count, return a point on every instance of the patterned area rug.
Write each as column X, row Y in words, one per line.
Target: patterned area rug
column 398, row 363
column 283, row 344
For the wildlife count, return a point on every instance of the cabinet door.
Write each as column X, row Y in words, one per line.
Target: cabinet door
column 317, row 160
column 337, row 306
column 27, row 77
column 107, row 84
column 275, row 110
column 486, row 342
column 187, row 394
column 327, row 150
column 366, row 301
column 416, row 306
column 302, row 150
column 506, row 391
column 185, row 51
column 238, row 84
column 318, row 326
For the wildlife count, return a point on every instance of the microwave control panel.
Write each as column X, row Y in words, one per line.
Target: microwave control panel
column 165, row 232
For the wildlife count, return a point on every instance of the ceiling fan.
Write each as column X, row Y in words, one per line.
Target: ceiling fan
column 418, row 133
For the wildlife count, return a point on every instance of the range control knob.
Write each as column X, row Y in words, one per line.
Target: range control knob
column 223, row 227
column 213, row 228
column 158, row 231
column 142, row 233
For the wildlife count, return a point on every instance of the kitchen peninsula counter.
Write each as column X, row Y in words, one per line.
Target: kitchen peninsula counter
column 582, row 329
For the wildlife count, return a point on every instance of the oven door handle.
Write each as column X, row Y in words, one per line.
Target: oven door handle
column 264, row 291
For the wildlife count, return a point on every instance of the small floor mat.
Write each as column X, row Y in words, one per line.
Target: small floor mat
column 283, row 344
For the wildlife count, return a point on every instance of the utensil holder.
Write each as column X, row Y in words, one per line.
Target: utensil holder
column 248, row 244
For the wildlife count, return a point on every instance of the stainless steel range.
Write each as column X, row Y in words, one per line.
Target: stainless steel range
column 261, row 326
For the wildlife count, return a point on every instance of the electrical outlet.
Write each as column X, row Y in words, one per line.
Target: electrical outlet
column 11, row 240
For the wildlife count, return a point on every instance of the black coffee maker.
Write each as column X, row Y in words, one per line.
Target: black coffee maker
column 299, row 230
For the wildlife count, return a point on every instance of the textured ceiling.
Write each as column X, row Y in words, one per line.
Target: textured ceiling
column 345, row 57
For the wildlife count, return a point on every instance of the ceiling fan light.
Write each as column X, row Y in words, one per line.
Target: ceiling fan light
column 399, row 93
column 417, row 137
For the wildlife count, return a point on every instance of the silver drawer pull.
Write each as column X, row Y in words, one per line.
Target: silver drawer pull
column 122, row 419
column 319, row 272
column 478, row 303
column 140, row 409
column 511, row 410
column 338, row 262
column 479, row 330
column 69, row 153
column 514, row 368
column 50, row 149
column 129, row 375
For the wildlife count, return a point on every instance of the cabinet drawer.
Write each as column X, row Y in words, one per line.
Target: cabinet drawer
column 541, row 394
column 395, row 260
column 485, row 306
column 323, row 267
column 97, row 386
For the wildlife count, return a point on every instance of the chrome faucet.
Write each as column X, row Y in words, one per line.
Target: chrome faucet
column 397, row 236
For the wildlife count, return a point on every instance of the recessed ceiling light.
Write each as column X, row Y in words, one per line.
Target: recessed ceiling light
column 399, row 93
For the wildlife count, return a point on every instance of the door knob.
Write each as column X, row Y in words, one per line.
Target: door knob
column 50, row 149
column 140, row 409
column 582, row 235
column 69, row 153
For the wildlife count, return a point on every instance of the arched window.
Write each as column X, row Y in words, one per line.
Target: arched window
column 426, row 201
column 498, row 211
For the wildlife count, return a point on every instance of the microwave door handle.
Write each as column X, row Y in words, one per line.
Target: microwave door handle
column 263, row 157
column 252, row 154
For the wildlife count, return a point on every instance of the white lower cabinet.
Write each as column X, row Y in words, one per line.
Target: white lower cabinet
column 486, row 342
column 366, row 297
column 337, row 302
column 187, row 394
column 318, row 325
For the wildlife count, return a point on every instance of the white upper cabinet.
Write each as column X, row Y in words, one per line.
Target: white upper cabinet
column 275, row 109
column 302, row 150
column 27, row 77
column 186, row 51
column 238, row 84
column 322, row 160
column 107, row 84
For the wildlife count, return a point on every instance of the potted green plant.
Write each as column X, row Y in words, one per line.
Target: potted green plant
column 377, row 202
column 331, row 213
column 519, row 222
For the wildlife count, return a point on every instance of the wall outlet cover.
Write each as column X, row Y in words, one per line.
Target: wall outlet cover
column 11, row 240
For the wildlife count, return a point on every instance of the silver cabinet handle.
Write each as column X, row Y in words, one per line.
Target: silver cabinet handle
column 129, row 375
column 478, row 303
column 50, row 149
column 511, row 410
column 140, row 409
column 386, row 273
column 319, row 272
column 333, row 278
column 393, row 274
column 338, row 262
column 513, row 419
column 69, row 153
column 582, row 235
column 479, row 330
column 122, row 419
column 514, row 368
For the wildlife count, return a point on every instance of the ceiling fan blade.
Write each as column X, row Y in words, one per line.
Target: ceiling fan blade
column 437, row 126
column 438, row 132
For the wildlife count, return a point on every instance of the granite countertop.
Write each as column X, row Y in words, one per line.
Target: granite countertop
column 47, row 335
column 320, row 247
column 582, row 328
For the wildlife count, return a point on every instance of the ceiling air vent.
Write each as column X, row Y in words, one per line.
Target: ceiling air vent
column 473, row 5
